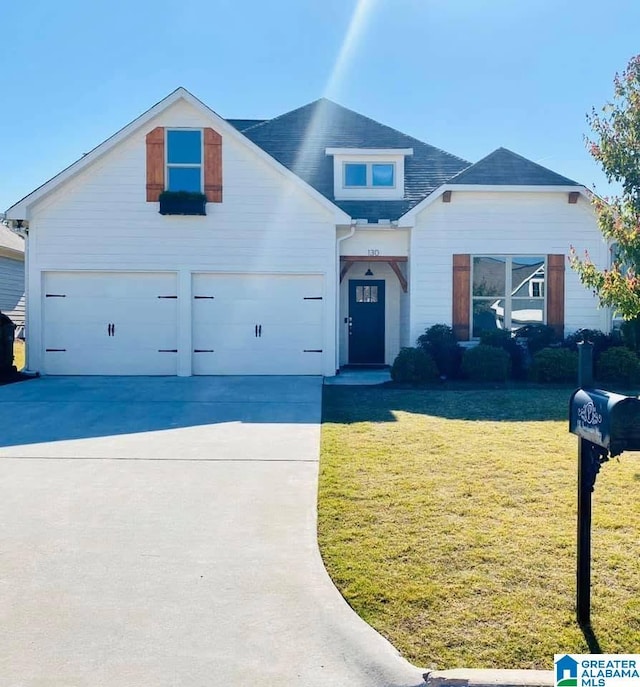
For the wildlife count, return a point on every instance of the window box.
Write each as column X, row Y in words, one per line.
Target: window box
column 182, row 203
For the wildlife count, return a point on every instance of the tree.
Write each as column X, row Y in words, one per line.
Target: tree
column 616, row 146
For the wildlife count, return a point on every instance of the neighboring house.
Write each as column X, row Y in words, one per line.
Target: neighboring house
column 12, row 277
column 328, row 239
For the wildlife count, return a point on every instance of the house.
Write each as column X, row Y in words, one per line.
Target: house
column 323, row 238
column 12, row 277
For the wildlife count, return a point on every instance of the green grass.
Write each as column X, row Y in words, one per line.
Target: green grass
column 18, row 354
column 447, row 520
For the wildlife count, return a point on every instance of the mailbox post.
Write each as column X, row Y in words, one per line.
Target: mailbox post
column 607, row 425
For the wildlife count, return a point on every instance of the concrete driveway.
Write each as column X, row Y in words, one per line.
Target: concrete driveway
column 162, row 532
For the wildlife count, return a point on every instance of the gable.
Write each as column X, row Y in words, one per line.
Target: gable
column 505, row 168
column 200, row 114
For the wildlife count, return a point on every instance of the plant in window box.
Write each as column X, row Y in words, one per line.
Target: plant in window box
column 182, row 203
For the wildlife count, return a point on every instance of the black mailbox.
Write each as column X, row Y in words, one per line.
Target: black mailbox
column 606, row 419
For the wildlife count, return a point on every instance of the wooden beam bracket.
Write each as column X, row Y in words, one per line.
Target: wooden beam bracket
column 401, row 278
column 345, row 268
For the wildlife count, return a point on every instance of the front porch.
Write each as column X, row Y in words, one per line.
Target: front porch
column 373, row 321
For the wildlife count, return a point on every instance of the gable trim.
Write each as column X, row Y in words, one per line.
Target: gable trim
column 20, row 210
column 409, row 218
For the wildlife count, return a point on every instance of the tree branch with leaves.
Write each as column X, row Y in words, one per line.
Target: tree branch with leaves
column 616, row 146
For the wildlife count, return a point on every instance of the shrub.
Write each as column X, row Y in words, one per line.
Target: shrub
column 441, row 344
column 486, row 364
column 554, row 365
column 413, row 366
column 618, row 365
column 499, row 338
column 630, row 332
column 601, row 342
column 537, row 336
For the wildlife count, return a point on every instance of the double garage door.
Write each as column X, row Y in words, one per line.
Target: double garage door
column 127, row 323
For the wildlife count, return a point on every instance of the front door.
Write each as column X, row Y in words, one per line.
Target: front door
column 366, row 322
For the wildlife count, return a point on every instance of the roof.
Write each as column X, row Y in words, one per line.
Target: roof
column 242, row 124
column 296, row 143
column 503, row 167
column 10, row 240
column 299, row 139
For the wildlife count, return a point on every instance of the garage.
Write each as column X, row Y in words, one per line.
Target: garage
column 257, row 324
column 110, row 323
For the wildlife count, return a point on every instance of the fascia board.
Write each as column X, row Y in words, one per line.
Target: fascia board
column 408, row 219
column 12, row 254
column 369, row 151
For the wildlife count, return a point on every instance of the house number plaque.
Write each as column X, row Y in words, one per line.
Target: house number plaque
column 373, row 252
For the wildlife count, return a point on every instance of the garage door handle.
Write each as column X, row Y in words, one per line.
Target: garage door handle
column 259, row 330
column 256, row 331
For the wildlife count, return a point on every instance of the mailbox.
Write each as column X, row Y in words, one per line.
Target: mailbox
column 606, row 419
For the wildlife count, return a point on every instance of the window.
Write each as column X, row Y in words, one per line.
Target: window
column 369, row 175
column 366, row 294
column 184, row 160
column 508, row 292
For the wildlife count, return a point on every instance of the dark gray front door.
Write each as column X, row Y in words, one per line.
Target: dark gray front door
column 366, row 322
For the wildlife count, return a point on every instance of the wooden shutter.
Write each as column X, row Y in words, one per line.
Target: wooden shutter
column 155, row 164
column 555, row 293
column 213, row 166
column 461, row 296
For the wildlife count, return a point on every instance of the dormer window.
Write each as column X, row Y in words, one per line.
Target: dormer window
column 369, row 175
column 184, row 160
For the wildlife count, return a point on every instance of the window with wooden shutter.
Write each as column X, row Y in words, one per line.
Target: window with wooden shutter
column 158, row 167
column 213, row 166
column 461, row 296
column 555, row 293
column 155, row 164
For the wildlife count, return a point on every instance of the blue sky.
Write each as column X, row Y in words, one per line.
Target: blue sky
column 467, row 76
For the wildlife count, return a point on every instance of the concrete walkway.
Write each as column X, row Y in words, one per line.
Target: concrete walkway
column 162, row 532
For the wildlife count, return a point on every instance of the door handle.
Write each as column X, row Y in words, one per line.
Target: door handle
column 256, row 334
column 260, row 330
column 111, row 329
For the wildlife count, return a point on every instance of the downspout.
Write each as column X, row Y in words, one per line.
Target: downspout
column 339, row 240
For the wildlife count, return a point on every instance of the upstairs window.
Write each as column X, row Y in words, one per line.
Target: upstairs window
column 369, row 175
column 184, row 160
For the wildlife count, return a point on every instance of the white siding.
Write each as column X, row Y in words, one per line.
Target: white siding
column 501, row 223
column 100, row 220
column 12, row 290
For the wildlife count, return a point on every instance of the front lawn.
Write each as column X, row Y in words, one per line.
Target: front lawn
column 447, row 520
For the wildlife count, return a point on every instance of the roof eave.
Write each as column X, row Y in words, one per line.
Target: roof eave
column 409, row 218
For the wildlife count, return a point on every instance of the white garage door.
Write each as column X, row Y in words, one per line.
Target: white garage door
column 257, row 324
column 110, row 323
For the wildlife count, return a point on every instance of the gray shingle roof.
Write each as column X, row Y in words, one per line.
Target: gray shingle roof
column 242, row 124
column 505, row 168
column 298, row 140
